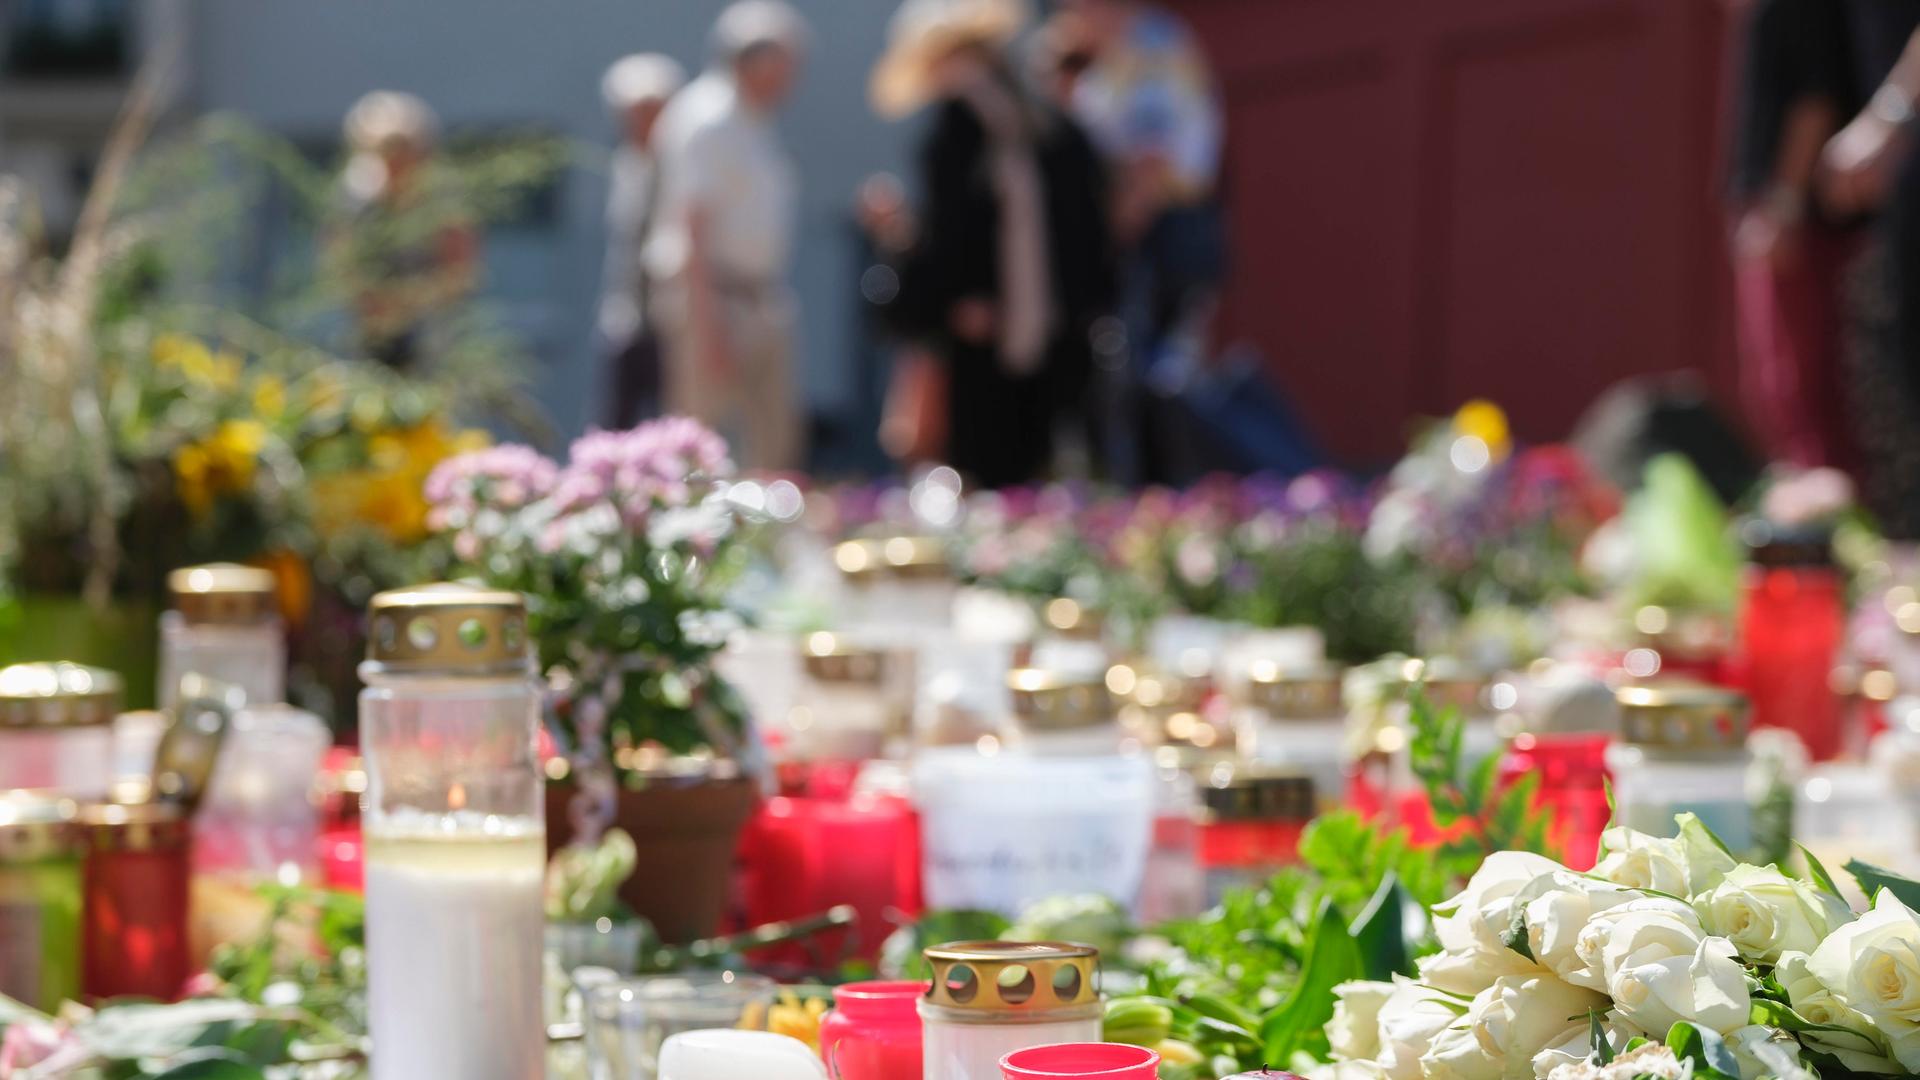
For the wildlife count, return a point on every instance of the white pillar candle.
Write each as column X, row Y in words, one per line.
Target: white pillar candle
column 717, row 1054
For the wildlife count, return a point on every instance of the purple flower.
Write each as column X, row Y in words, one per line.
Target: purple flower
column 503, row 477
column 656, row 464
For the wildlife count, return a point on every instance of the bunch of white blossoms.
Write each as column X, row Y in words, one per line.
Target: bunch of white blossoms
column 1666, row 942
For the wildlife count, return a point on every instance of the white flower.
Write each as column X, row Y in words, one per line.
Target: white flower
column 1409, row 1021
column 1684, row 866
column 1555, row 910
column 1873, row 964
column 1348, row 1070
column 1575, row 1045
column 1354, row 1032
column 1656, row 989
column 1650, row 1060
column 1765, row 913
column 1472, row 926
column 1860, row 1047
column 1506, row 1026
column 1767, row 1052
column 1667, row 927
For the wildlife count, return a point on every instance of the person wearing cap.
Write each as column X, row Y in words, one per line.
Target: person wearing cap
column 1011, row 261
column 636, row 89
column 723, row 235
column 403, row 248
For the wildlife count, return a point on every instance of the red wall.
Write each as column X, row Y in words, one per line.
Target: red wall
column 1440, row 199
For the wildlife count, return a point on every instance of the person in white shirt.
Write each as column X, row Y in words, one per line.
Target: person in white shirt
column 636, row 89
column 723, row 236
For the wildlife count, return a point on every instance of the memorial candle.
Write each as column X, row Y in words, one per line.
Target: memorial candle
column 719, row 1054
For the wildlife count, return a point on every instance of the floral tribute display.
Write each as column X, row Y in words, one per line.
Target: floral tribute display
column 1670, row 959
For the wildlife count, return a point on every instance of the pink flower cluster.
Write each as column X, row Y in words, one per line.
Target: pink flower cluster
column 503, row 477
column 655, row 464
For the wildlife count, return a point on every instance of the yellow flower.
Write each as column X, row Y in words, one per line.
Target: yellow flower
column 269, row 396
column 197, row 363
column 792, row 1017
column 387, row 494
column 1485, row 421
column 223, row 463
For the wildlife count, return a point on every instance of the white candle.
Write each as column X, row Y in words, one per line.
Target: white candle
column 733, row 1055
column 454, row 925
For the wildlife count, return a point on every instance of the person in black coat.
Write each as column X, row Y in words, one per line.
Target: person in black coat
column 1011, row 262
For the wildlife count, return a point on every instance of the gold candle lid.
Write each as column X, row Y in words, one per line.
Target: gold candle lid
column 1683, row 716
column 1293, row 694
column 1046, row 700
column 36, row 825
column 1244, row 794
column 902, row 557
column 146, row 826
column 1013, row 980
column 1072, row 619
column 57, row 694
column 832, row 658
column 448, row 627
column 224, row 593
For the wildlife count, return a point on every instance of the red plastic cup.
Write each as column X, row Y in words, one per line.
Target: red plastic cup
column 1104, row 1061
column 873, row 1032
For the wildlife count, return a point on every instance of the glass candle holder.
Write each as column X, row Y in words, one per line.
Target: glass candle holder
column 136, row 900
column 989, row 998
column 1251, row 825
column 842, row 709
column 56, row 728
column 1056, row 713
column 628, row 1020
column 1792, row 624
column 873, row 1031
column 41, row 850
column 1682, row 749
column 224, row 624
column 1295, row 717
column 1573, row 787
column 732, row 1055
column 905, row 582
column 454, row 835
column 1093, row 1061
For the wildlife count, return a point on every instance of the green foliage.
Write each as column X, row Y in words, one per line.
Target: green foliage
column 900, row 954
column 1318, row 574
column 583, row 880
column 1087, row 918
column 1874, row 878
column 1711, row 1057
column 1476, row 815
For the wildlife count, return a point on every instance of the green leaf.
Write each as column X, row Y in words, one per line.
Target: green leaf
column 1681, row 821
column 161, row 1031
column 1225, row 1012
column 211, row 1063
column 1380, row 935
column 1818, row 873
column 1711, row 1056
column 1874, row 878
column 1298, row 1023
column 1597, row 1035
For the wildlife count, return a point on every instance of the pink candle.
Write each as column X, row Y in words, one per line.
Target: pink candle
column 873, row 1032
column 1089, row 1061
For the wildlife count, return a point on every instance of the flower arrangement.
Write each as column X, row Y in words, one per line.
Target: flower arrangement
column 1671, row 959
column 623, row 552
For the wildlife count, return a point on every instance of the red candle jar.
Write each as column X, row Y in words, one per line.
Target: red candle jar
column 873, row 1032
column 1250, row 826
column 1573, row 787
column 803, row 856
column 136, row 877
column 1792, row 620
column 1105, row 1061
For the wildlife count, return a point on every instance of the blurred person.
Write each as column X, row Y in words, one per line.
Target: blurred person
column 1149, row 101
column 404, row 248
column 1009, row 261
column 1788, row 253
column 1061, row 53
column 636, row 89
column 723, row 236
column 1868, row 169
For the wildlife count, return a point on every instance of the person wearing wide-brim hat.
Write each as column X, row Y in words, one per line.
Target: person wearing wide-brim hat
column 1010, row 263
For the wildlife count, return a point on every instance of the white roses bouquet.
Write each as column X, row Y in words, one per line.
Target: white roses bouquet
column 1670, row 959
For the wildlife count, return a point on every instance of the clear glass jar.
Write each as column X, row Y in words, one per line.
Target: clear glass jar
column 224, row 624
column 989, row 998
column 627, row 1021
column 1251, row 824
column 41, row 850
column 1058, row 714
column 455, row 837
column 56, row 728
column 1682, row 749
column 1295, row 718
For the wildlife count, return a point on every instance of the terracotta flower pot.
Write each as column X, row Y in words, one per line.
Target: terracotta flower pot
column 687, row 830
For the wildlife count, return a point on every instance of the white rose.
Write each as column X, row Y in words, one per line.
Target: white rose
column 1683, row 866
column 1708, row 988
column 1347, row 1070
column 1767, row 1052
column 1575, row 1044
column 1592, row 940
column 1506, row 1026
column 1409, row 1021
column 1555, row 911
column 1472, row 926
column 1354, row 1032
column 1860, row 1046
column 1765, row 913
column 1873, row 964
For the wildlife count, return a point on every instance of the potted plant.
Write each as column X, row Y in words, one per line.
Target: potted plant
column 624, row 553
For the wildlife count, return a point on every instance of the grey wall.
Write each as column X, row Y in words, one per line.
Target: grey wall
column 296, row 65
